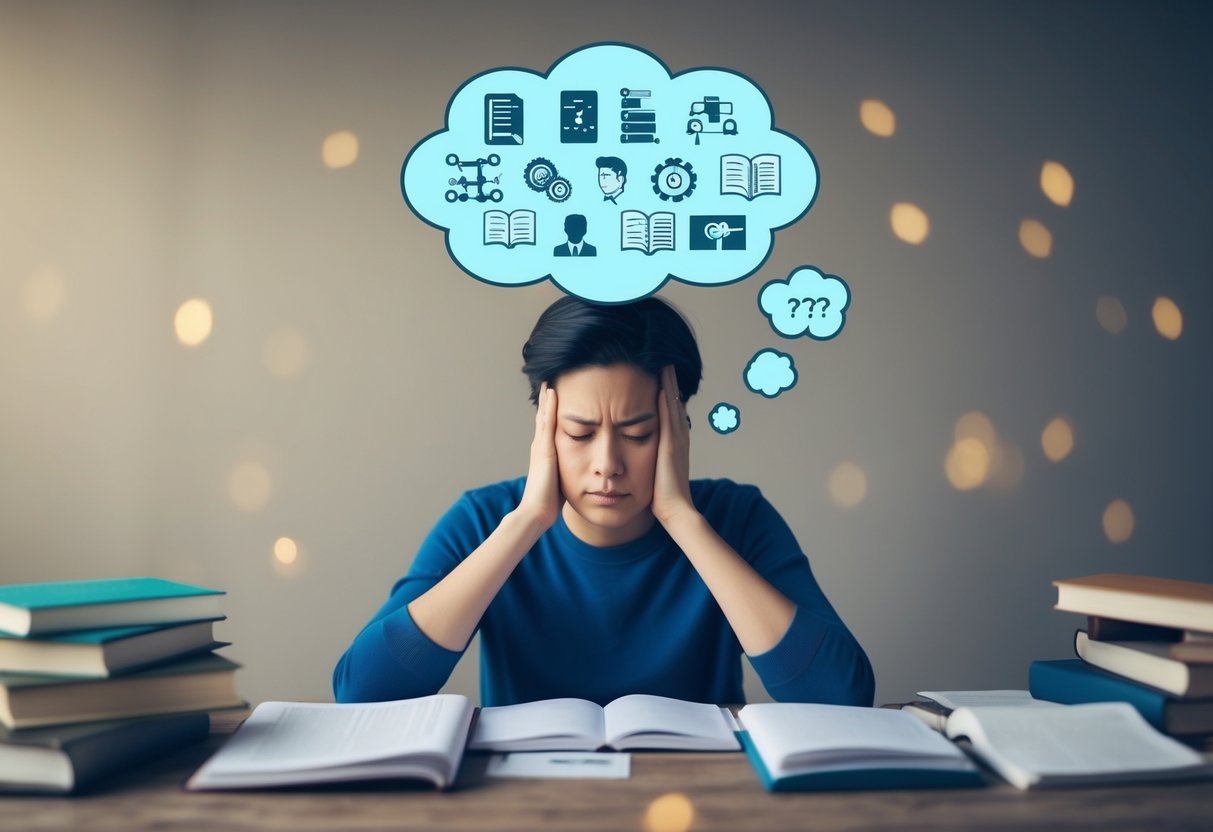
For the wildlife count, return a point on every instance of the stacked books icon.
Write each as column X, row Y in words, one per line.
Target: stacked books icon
column 1148, row 642
column 96, row 676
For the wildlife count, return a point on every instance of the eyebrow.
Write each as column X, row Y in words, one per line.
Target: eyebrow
column 626, row 423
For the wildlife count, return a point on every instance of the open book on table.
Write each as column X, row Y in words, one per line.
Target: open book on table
column 1036, row 744
column 629, row 722
column 298, row 743
column 803, row 747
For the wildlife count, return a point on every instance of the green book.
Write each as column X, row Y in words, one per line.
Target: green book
column 106, row 652
column 201, row 683
column 35, row 609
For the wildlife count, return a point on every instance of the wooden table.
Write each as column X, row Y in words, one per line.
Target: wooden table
column 721, row 790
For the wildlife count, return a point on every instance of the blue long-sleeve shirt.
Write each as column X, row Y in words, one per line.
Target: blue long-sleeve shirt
column 575, row 620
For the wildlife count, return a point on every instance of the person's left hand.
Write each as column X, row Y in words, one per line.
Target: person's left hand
column 672, row 479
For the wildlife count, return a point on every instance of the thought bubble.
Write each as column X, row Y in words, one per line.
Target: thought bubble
column 807, row 303
column 609, row 175
column 724, row 418
column 770, row 372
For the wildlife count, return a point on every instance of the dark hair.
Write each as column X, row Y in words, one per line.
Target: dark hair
column 614, row 163
column 573, row 333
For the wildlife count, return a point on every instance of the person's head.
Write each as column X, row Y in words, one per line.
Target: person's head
column 612, row 173
column 574, row 227
column 605, row 364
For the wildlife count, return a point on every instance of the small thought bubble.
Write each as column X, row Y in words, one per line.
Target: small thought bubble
column 609, row 175
column 770, row 372
column 724, row 418
column 807, row 303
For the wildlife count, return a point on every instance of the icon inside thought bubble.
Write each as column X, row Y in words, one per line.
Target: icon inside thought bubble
column 724, row 418
column 807, row 303
column 677, row 176
column 770, row 372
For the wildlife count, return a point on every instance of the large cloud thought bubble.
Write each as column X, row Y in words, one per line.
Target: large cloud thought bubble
column 609, row 175
column 807, row 303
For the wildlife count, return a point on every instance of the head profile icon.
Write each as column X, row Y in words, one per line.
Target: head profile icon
column 612, row 177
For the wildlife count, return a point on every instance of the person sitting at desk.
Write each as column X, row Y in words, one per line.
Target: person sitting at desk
column 606, row 570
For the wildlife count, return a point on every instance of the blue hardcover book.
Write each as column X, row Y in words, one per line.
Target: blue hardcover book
column 1074, row 682
column 34, row 609
column 806, row 747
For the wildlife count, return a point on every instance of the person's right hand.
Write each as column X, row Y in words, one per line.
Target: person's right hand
column 541, row 499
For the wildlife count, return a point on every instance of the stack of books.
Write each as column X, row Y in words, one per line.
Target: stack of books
column 96, row 676
column 1148, row 642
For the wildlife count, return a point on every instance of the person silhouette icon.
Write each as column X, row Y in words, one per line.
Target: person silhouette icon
column 574, row 228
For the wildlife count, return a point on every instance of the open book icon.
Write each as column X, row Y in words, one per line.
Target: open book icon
column 517, row 228
column 748, row 177
column 646, row 233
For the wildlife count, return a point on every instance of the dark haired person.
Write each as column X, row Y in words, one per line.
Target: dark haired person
column 606, row 570
column 612, row 177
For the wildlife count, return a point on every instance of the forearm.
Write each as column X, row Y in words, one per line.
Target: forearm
column 449, row 612
column 758, row 613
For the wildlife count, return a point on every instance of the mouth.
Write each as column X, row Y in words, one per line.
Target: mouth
column 606, row 498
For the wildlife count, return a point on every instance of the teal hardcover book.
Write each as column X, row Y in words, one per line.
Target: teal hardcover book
column 104, row 652
column 34, row 609
column 808, row 747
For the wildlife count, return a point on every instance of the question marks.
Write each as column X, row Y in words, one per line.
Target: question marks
column 812, row 302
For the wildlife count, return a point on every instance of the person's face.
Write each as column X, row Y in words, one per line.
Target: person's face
column 609, row 181
column 606, row 451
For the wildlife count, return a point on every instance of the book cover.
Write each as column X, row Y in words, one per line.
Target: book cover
column 1074, row 682
column 105, row 652
column 1148, row 662
column 34, row 609
column 1164, row 602
column 72, row 758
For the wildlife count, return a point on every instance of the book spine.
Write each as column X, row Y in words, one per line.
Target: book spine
column 1073, row 682
column 1101, row 628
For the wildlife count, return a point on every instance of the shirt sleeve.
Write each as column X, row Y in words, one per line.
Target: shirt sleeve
column 391, row 658
column 818, row 659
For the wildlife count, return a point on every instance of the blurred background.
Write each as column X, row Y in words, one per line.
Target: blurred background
column 230, row 355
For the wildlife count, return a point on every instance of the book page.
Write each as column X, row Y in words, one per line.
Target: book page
column 576, row 719
column 953, row 699
column 522, row 228
column 661, row 231
column 1087, row 742
column 765, row 175
column 496, row 228
column 292, row 736
column 645, row 714
column 634, row 231
column 735, row 173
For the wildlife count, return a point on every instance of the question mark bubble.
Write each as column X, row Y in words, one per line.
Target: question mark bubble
column 828, row 295
column 724, row 418
column 770, row 372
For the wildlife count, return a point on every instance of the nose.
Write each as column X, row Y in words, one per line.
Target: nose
column 607, row 459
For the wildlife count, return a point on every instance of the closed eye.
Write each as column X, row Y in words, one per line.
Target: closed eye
column 583, row 437
column 640, row 439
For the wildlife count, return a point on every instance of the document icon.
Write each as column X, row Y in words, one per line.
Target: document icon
column 502, row 118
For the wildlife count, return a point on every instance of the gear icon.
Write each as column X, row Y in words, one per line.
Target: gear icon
column 559, row 189
column 674, row 180
column 538, row 174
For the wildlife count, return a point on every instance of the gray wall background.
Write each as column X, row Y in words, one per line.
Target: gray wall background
column 155, row 152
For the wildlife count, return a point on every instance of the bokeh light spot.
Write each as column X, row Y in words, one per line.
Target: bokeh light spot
column 877, row 118
column 848, row 485
column 1057, row 439
column 1057, row 183
column 1110, row 313
column 975, row 425
column 910, row 223
column 249, row 486
column 1118, row 521
column 285, row 353
column 285, row 550
column 43, row 295
column 967, row 464
column 1168, row 320
column 340, row 149
column 1035, row 238
column 671, row 812
column 193, row 322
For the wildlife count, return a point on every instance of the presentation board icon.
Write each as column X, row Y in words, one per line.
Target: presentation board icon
column 579, row 116
column 502, row 118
